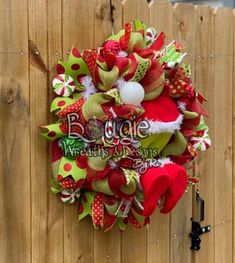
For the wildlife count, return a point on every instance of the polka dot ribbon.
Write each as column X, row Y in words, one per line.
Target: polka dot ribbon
column 75, row 107
column 115, row 94
column 98, row 210
column 90, row 58
column 176, row 87
column 133, row 221
column 142, row 67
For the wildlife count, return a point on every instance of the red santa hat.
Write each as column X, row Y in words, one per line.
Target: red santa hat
column 162, row 114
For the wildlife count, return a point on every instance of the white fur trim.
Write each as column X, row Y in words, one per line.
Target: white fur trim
column 164, row 161
column 160, row 127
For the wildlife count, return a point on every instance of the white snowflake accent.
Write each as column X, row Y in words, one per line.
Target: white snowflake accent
column 119, row 83
column 112, row 164
column 90, row 88
column 181, row 105
column 122, row 54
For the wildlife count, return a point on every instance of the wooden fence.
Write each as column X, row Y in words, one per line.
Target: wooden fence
column 34, row 225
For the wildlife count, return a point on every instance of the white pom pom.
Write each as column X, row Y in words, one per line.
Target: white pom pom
column 131, row 93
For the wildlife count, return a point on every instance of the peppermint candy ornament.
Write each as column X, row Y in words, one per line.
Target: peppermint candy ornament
column 69, row 195
column 63, row 85
column 151, row 35
column 201, row 143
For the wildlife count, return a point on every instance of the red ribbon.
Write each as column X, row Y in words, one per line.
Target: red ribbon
column 98, row 210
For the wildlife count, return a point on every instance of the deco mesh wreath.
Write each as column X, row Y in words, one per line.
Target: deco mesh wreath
column 129, row 121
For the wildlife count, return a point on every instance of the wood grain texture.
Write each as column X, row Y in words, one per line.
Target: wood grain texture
column 108, row 19
column 77, row 30
column 15, row 204
column 233, row 124
column 107, row 245
column 183, row 32
column 135, row 9
column 223, row 133
column 39, row 149
column 161, row 17
column 158, row 248
column 205, row 84
column 55, row 215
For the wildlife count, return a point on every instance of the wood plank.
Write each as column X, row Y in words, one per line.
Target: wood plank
column 158, row 249
column 134, row 242
column 135, row 9
column 134, row 245
column 39, row 150
column 15, row 226
column 77, row 31
column 55, row 208
column 106, row 21
column 161, row 17
column 233, row 138
column 205, row 43
column 184, row 32
column 107, row 245
column 223, row 133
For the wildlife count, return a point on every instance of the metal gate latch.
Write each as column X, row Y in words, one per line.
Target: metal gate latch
column 197, row 230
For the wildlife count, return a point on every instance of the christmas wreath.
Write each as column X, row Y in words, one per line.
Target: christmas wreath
column 129, row 122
